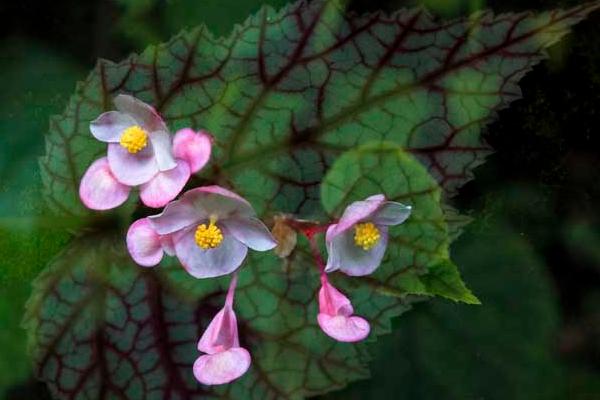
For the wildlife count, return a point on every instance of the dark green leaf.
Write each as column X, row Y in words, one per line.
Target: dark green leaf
column 288, row 90
column 443, row 279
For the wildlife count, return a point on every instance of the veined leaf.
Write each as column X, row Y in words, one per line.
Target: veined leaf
column 288, row 90
column 101, row 326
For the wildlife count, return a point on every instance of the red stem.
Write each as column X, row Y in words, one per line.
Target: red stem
column 309, row 229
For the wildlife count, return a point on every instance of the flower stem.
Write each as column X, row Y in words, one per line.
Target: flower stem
column 231, row 290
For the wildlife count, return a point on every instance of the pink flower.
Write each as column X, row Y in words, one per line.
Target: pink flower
column 145, row 245
column 140, row 153
column 224, row 360
column 335, row 315
column 357, row 243
column 209, row 230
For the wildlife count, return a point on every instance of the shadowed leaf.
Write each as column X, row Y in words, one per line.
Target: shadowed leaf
column 443, row 279
column 501, row 350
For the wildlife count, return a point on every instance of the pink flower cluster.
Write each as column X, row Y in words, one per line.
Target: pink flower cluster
column 209, row 229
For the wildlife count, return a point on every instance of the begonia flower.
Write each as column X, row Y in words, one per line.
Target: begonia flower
column 140, row 153
column 145, row 246
column 224, row 360
column 357, row 242
column 336, row 317
column 209, row 229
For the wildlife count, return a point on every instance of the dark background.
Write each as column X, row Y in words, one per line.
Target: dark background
column 534, row 202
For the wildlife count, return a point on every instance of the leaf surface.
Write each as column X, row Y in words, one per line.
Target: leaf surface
column 288, row 90
column 102, row 327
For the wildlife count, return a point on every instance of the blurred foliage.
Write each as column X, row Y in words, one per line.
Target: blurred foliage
column 540, row 190
column 148, row 22
column 502, row 350
column 36, row 82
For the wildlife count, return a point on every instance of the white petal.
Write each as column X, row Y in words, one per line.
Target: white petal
column 161, row 144
column 109, row 126
column 353, row 260
column 391, row 213
column 210, row 263
column 252, row 232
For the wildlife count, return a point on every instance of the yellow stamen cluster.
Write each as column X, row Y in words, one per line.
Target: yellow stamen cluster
column 208, row 236
column 366, row 235
column 134, row 139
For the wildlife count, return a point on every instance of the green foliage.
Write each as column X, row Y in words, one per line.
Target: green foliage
column 98, row 322
column 501, row 350
column 283, row 99
column 443, row 279
column 285, row 94
column 29, row 236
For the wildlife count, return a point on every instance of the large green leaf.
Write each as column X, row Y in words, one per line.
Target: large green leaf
column 288, row 90
column 102, row 327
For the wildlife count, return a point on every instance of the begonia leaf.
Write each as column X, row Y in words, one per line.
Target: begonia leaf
column 102, row 327
column 288, row 90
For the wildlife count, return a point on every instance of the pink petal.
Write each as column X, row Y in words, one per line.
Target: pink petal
column 335, row 315
column 177, row 215
column 344, row 329
column 332, row 301
column 109, row 126
column 345, row 255
column 144, row 114
column 357, row 212
column 220, row 202
column 391, row 213
column 224, row 367
column 195, row 148
column 221, row 334
column 165, row 186
column 252, row 232
column 167, row 244
column 161, row 145
column 99, row 190
column 210, row 263
column 132, row 169
column 199, row 204
column 144, row 244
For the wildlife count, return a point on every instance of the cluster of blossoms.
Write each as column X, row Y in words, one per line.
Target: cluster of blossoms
column 209, row 229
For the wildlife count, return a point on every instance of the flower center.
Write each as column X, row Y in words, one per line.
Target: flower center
column 208, row 236
column 366, row 235
column 134, row 139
